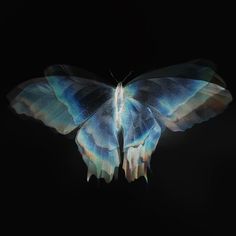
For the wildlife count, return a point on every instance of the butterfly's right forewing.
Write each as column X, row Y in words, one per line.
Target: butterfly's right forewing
column 181, row 96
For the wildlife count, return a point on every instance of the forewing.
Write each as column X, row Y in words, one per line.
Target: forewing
column 197, row 70
column 181, row 102
column 37, row 99
column 63, row 100
column 81, row 96
column 141, row 133
column 98, row 143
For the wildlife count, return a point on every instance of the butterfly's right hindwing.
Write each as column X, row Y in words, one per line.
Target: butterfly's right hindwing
column 141, row 132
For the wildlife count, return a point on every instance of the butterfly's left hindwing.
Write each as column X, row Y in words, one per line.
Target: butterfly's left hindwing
column 98, row 143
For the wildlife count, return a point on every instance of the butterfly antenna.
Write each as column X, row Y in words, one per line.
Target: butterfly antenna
column 130, row 73
column 112, row 75
column 66, row 70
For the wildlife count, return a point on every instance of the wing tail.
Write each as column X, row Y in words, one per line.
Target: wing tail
column 137, row 159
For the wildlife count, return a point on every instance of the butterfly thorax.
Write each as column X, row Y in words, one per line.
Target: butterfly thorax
column 119, row 104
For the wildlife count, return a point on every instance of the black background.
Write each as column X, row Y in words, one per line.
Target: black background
column 191, row 185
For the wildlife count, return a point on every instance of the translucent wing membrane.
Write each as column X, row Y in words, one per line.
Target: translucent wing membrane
column 98, row 142
column 37, row 99
column 141, row 133
column 64, row 100
column 81, row 96
column 197, row 70
column 180, row 102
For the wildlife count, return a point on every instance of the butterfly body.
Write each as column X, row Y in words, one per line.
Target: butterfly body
column 175, row 97
column 119, row 104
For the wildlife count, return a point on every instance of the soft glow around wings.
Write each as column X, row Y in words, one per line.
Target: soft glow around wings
column 176, row 97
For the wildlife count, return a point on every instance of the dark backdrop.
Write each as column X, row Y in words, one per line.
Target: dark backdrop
column 191, row 185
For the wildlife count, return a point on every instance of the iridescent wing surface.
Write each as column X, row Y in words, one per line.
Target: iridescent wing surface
column 141, row 133
column 66, row 99
column 182, row 95
column 36, row 98
column 81, row 96
column 62, row 100
column 98, row 143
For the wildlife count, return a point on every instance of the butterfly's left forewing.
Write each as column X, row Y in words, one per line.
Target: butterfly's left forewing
column 36, row 98
column 62, row 100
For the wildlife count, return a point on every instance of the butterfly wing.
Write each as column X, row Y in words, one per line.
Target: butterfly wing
column 37, row 99
column 176, row 97
column 65, row 100
column 98, row 143
column 182, row 95
column 81, row 96
column 62, row 99
column 197, row 70
column 141, row 133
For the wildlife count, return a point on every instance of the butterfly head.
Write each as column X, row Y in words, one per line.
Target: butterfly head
column 119, row 91
column 119, row 85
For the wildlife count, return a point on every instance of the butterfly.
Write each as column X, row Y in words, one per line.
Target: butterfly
column 122, row 125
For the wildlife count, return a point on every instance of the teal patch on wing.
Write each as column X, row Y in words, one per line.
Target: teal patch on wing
column 98, row 143
column 206, row 103
column 180, row 102
column 164, row 94
column 37, row 99
column 81, row 96
column 141, row 133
